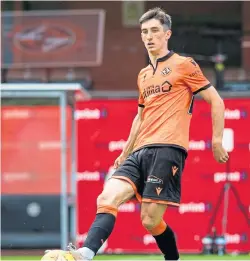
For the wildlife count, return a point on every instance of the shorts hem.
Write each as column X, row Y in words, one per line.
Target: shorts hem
column 138, row 196
column 159, row 144
column 161, row 201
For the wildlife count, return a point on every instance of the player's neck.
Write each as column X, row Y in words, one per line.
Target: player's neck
column 154, row 56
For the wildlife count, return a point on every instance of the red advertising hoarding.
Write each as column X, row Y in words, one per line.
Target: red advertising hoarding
column 31, row 165
column 31, row 149
column 103, row 127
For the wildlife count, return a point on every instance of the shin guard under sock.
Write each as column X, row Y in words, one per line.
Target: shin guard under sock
column 99, row 231
column 167, row 244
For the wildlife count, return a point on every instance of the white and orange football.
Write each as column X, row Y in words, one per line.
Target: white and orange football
column 57, row 255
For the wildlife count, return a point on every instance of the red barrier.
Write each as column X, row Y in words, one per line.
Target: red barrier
column 31, row 149
column 103, row 127
column 31, row 156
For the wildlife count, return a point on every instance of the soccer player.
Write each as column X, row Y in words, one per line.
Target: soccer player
column 151, row 164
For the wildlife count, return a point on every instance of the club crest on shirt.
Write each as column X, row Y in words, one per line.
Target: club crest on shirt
column 166, row 71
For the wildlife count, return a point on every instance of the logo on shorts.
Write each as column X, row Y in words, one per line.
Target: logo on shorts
column 155, row 180
column 174, row 170
column 158, row 190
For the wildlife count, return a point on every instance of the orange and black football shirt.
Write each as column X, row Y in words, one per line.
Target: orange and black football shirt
column 167, row 93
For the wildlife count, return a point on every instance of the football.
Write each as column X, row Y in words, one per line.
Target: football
column 57, row 255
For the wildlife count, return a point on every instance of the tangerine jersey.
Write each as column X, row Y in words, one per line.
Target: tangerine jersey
column 167, row 94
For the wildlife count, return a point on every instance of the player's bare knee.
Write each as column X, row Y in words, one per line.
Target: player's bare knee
column 149, row 221
column 152, row 214
column 108, row 199
column 111, row 198
column 100, row 199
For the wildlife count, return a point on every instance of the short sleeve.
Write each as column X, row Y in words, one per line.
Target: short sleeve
column 140, row 99
column 193, row 76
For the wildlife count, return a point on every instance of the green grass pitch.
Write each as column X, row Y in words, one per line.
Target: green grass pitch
column 140, row 257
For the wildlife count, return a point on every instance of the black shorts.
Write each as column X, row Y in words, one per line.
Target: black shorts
column 155, row 174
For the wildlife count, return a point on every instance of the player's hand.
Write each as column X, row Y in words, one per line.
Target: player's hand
column 220, row 153
column 119, row 160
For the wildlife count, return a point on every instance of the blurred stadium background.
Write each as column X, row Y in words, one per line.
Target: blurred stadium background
column 69, row 94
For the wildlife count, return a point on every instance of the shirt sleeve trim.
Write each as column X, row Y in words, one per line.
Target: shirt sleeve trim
column 141, row 105
column 203, row 88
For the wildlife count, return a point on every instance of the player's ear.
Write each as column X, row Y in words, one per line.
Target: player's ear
column 168, row 34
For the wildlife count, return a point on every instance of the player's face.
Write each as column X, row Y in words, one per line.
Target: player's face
column 154, row 36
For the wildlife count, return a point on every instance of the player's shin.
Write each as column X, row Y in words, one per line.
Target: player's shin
column 165, row 240
column 99, row 231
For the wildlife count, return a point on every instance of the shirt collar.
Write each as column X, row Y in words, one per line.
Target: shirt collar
column 164, row 58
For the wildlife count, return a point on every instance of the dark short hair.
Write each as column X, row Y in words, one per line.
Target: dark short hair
column 158, row 14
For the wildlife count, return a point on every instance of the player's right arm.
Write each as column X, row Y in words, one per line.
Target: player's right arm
column 131, row 139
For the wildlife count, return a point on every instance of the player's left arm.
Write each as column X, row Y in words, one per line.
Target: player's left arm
column 211, row 96
column 198, row 83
